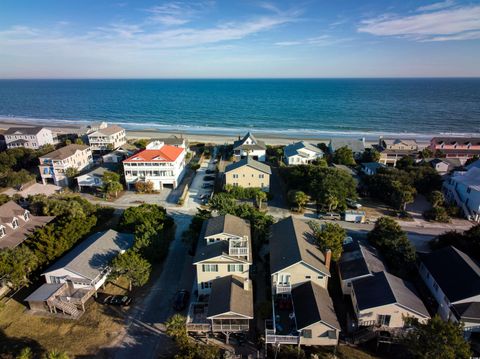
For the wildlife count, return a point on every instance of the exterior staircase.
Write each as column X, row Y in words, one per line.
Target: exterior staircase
column 65, row 307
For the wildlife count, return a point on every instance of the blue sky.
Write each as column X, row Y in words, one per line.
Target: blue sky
column 238, row 38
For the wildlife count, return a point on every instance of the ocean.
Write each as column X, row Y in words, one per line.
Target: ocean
column 286, row 107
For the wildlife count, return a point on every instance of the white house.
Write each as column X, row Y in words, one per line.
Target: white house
column 92, row 179
column 463, row 188
column 53, row 165
column 159, row 163
column 75, row 277
column 29, row 137
column 249, row 146
column 301, row 153
column 107, row 138
column 453, row 278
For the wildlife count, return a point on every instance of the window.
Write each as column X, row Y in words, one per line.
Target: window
column 235, row 176
column 235, row 267
column 349, row 284
column 307, row 333
column 261, row 176
column 2, row 231
column 15, row 223
column 383, row 320
column 308, row 276
column 210, row 267
column 206, row 285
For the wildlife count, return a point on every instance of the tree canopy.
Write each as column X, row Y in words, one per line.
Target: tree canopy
column 344, row 156
column 132, row 266
column 329, row 236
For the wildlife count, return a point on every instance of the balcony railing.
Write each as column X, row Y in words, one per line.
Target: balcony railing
column 283, row 288
column 272, row 338
column 230, row 327
column 238, row 251
column 198, row 327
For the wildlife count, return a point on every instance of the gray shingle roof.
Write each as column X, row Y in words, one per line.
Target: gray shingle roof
column 228, row 295
column 44, row 292
column 94, row 254
column 293, row 149
column 458, row 140
column 446, row 266
column 248, row 161
column 374, row 166
column 468, row 312
column 23, row 130
column 363, row 260
column 291, row 241
column 356, row 145
column 258, row 145
column 313, row 304
column 109, row 130
column 65, row 152
column 384, row 288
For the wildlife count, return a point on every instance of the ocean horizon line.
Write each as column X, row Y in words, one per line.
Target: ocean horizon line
column 244, row 78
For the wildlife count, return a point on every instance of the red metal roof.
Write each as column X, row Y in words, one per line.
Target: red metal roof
column 165, row 154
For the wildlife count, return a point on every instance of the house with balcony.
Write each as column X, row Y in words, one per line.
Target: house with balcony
column 392, row 150
column 453, row 278
column 303, row 311
column 107, row 138
column 301, row 153
column 463, row 189
column 357, row 145
column 444, row 166
column 248, row 173
column 359, row 260
column 17, row 223
column 383, row 301
column 223, row 258
column 456, row 147
column 77, row 276
column 29, row 137
column 93, row 180
column 161, row 164
column 53, row 166
column 249, row 146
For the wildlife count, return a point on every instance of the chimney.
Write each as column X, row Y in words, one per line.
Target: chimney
column 328, row 258
column 246, row 284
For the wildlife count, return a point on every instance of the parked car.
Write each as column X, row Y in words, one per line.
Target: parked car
column 121, row 300
column 353, row 204
column 210, row 172
column 209, row 178
column 207, row 185
column 330, row 216
column 181, row 300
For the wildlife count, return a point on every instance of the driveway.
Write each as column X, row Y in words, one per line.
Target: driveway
column 34, row 189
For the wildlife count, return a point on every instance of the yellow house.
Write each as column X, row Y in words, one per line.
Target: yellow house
column 303, row 311
column 384, row 300
column 248, row 173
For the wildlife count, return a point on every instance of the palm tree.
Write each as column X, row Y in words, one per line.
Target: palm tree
column 301, row 199
column 26, row 353
column 260, row 197
column 332, row 202
column 55, row 354
column 176, row 328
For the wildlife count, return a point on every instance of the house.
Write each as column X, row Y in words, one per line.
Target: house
column 358, row 260
column 456, row 147
column 356, row 145
column 17, row 223
column 53, row 165
column 222, row 261
column 75, row 277
column 392, row 150
column 249, row 146
column 29, row 137
column 3, row 143
column 107, row 138
column 475, row 164
column 371, row 168
column 118, row 155
column 248, row 173
column 161, row 164
column 463, row 189
column 444, row 165
column 384, row 300
column 303, row 311
column 93, row 179
column 453, row 278
column 174, row 141
column 301, row 153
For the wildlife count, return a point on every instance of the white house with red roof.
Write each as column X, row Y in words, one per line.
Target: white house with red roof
column 161, row 164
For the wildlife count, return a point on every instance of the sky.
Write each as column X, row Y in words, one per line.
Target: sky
column 239, row 38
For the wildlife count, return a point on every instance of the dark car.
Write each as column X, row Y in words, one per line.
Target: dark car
column 122, row 300
column 209, row 178
column 210, row 172
column 207, row 185
column 181, row 300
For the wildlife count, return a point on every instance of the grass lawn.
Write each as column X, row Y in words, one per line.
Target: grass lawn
column 96, row 328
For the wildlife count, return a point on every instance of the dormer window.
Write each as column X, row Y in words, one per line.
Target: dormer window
column 26, row 216
column 15, row 223
column 3, row 232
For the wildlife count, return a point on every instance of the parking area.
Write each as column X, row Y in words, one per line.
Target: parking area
column 34, row 189
column 201, row 189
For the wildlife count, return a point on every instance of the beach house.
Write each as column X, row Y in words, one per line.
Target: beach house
column 302, row 310
column 54, row 165
column 17, row 223
column 456, row 147
column 392, row 150
column 249, row 146
column 107, row 138
column 356, row 145
column 29, row 137
column 248, row 173
column 301, row 153
column 453, row 278
column 222, row 261
column 463, row 189
column 75, row 277
column 161, row 164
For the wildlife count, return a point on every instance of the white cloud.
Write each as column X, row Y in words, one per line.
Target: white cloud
column 322, row 40
column 448, row 24
column 177, row 13
column 437, row 6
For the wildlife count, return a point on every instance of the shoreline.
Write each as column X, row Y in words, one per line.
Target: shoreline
column 224, row 135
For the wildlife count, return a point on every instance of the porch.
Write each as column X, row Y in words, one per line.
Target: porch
column 282, row 329
column 197, row 321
